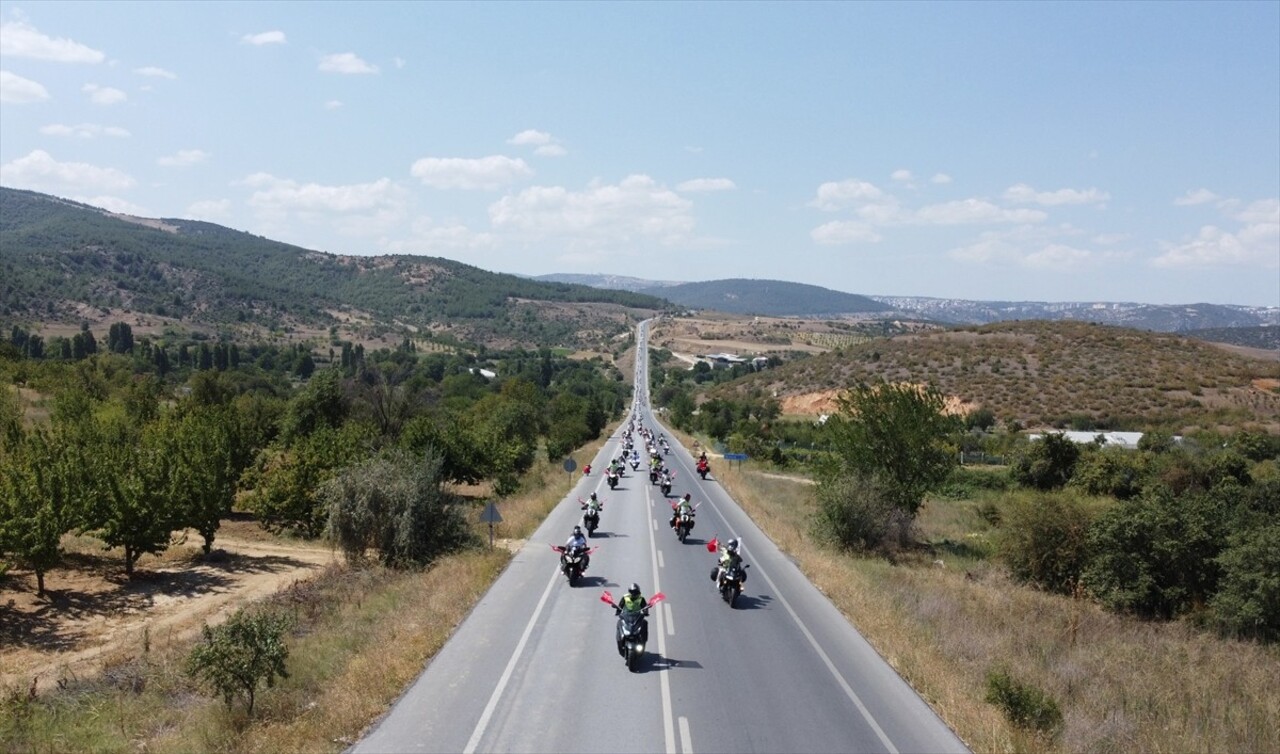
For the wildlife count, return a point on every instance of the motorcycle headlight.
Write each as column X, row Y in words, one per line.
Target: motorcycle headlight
column 639, row 647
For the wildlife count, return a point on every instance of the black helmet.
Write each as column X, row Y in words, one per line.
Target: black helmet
column 577, row 530
column 593, row 496
column 634, row 591
column 687, row 496
column 733, row 545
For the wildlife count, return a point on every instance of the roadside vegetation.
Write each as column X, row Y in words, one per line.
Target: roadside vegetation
column 389, row 456
column 1072, row 598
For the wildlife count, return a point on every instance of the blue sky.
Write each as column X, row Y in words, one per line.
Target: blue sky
column 1095, row 151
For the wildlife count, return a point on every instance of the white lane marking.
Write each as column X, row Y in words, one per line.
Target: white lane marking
column 654, row 521
column 686, row 743
column 668, row 724
column 660, row 563
column 671, row 626
column 511, row 665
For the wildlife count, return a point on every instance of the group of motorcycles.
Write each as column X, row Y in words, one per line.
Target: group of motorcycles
column 632, row 626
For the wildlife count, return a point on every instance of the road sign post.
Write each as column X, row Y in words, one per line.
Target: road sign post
column 491, row 516
column 570, row 466
column 739, row 457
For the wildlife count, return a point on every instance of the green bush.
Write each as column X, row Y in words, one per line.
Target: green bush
column 1247, row 603
column 1044, row 541
column 236, row 657
column 1110, row 471
column 858, row 513
column 1023, row 705
column 1047, row 463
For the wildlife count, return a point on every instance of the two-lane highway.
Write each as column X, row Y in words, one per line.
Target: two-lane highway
column 534, row 668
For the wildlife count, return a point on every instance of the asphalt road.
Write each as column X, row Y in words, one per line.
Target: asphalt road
column 534, row 667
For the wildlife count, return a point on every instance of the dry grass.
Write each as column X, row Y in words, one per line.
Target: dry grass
column 1123, row 685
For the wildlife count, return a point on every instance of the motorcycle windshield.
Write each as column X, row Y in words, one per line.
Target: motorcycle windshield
column 629, row 624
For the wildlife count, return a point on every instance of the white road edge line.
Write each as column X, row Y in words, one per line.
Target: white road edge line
column 813, row 641
column 664, row 678
column 686, row 743
column 660, row 563
column 511, row 665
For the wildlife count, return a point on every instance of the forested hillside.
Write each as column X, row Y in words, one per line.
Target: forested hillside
column 62, row 262
column 766, row 297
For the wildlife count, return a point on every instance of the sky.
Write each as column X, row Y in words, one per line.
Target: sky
column 1021, row 151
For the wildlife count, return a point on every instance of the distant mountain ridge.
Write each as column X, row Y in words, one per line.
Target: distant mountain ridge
column 609, row 282
column 778, row 298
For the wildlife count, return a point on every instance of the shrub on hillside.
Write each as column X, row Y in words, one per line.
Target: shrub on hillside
column 1023, row 705
column 1247, row 603
column 1045, row 541
column 233, row 659
column 857, row 512
column 1156, row 555
column 1047, row 463
column 1110, row 471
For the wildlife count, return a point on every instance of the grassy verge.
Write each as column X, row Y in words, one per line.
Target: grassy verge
column 946, row 618
column 360, row 637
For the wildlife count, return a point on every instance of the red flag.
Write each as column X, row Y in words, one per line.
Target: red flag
column 713, row 544
column 606, row 598
column 655, row 599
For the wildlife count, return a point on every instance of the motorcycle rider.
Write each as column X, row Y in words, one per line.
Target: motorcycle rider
column 578, row 543
column 684, row 506
column 729, row 558
column 593, row 506
column 634, row 602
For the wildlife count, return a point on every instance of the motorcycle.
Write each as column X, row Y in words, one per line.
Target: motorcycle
column 633, row 629
column 572, row 562
column 612, row 476
column 653, row 476
column 703, row 468
column 684, row 525
column 666, row 486
column 591, row 520
column 731, row 581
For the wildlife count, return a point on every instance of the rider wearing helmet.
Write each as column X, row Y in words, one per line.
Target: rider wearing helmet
column 682, row 507
column 634, row 602
column 578, row 543
column 729, row 558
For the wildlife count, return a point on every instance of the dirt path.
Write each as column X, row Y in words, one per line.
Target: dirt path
column 94, row 618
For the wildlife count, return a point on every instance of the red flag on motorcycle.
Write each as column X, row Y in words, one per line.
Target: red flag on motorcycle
column 655, row 599
column 606, row 598
column 713, row 544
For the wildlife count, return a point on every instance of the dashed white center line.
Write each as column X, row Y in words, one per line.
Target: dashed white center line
column 660, row 563
column 686, row 743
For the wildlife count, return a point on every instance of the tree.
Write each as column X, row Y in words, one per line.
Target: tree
column 1047, row 463
column 135, row 494
column 241, row 654
column 204, row 473
column 896, row 434
column 37, row 500
column 1247, row 603
column 1044, row 541
column 396, row 506
column 285, row 497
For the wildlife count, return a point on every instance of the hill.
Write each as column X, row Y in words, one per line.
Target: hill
column 612, row 282
column 68, row 262
column 1065, row 374
column 1157, row 317
column 767, row 297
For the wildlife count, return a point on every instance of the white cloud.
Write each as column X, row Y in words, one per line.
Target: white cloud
column 427, row 237
column 104, row 95
column 940, row 178
column 39, row 171
column 400, row 62
column 21, row 40
column 973, row 211
column 15, row 90
column 346, row 62
column 530, row 137
column 83, row 130
column 1028, row 246
column 154, row 72
column 901, row 175
column 112, row 204
column 706, row 184
column 835, row 195
column 547, row 146
column 1198, row 196
column 209, row 210
column 264, row 38
column 1023, row 194
column 1256, row 242
column 840, row 232
column 183, row 158
column 333, row 104
column 492, row 172
column 637, row 208
column 282, row 194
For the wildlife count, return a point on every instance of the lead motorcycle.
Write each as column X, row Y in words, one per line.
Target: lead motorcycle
column 572, row 562
column 633, row 629
column 731, row 581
